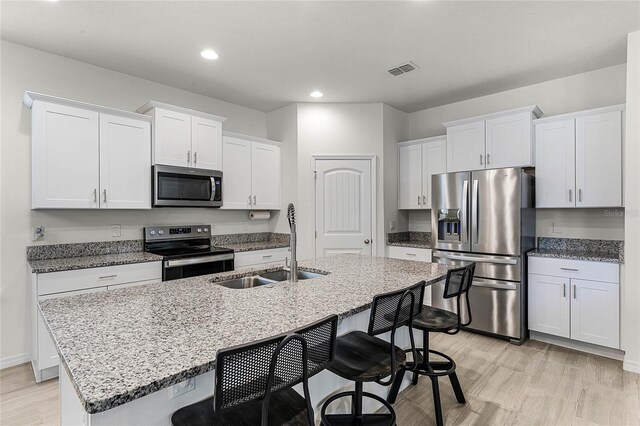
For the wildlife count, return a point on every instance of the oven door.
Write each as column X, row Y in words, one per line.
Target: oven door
column 195, row 266
column 185, row 187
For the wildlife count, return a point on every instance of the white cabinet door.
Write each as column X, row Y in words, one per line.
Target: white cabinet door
column 206, row 143
column 125, row 163
column 265, row 176
column 236, row 170
column 410, row 177
column 595, row 312
column 599, row 160
column 508, row 141
column 171, row 138
column 434, row 161
column 555, row 164
column 465, row 147
column 64, row 157
column 549, row 305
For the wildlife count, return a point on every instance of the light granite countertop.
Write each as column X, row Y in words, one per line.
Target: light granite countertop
column 256, row 245
column 82, row 262
column 578, row 255
column 411, row 244
column 121, row 345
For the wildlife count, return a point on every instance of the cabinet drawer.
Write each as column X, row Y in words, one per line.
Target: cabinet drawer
column 65, row 281
column 260, row 257
column 407, row 253
column 593, row 271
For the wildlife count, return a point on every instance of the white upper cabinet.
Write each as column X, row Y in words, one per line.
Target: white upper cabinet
column 251, row 173
column 87, row 156
column 125, row 163
column 502, row 139
column 555, row 164
column 599, row 160
column 418, row 160
column 579, row 159
column 184, row 137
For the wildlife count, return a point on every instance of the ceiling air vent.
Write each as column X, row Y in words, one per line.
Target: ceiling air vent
column 402, row 69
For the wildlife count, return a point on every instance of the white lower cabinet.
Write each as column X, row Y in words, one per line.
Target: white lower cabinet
column 53, row 285
column 417, row 254
column 571, row 305
column 261, row 257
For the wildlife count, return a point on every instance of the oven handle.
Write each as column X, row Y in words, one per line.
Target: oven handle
column 197, row 260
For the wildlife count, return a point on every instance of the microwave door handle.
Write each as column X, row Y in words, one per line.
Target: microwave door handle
column 464, row 219
column 213, row 188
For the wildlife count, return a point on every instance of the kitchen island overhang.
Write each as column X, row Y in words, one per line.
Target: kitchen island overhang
column 122, row 347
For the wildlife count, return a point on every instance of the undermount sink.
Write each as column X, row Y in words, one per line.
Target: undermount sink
column 245, row 282
column 284, row 275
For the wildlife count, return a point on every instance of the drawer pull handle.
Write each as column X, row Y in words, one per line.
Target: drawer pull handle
column 106, row 277
column 267, row 256
column 411, row 254
column 570, row 269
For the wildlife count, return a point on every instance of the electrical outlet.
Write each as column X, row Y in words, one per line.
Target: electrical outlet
column 37, row 233
column 245, row 226
column 556, row 228
column 116, row 231
column 182, row 388
column 392, row 225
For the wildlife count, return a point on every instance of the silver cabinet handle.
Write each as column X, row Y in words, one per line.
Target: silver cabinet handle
column 564, row 290
column 570, row 269
column 267, row 256
column 188, row 157
column 481, row 159
column 570, row 196
column 580, row 195
column 195, row 158
column 95, row 195
column 574, row 291
column 104, row 196
column 419, row 201
column 488, row 158
column 411, row 254
column 254, row 200
column 249, row 199
column 107, row 277
column 424, row 200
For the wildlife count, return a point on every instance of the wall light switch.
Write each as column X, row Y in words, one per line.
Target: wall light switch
column 245, row 226
column 182, row 388
column 116, row 231
column 392, row 225
column 556, row 228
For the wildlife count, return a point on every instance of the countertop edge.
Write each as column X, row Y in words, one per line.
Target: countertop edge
column 95, row 264
column 585, row 257
column 411, row 244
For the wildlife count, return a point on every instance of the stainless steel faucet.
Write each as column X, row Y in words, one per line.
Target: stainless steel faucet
column 291, row 216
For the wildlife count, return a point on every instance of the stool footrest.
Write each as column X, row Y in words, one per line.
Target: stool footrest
column 383, row 419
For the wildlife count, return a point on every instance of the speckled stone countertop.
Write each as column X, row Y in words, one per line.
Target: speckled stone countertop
column 257, row 245
column 580, row 249
column 251, row 241
column 121, row 345
column 84, row 262
column 412, row 239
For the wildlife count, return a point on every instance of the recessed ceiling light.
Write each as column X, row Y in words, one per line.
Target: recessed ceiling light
column 209, row 54
column 316, row 94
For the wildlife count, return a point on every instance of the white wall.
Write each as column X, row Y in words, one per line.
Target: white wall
column 574, row 93
column 28, row 69
column 345, row 129
column 630, row 292
column 395, row 129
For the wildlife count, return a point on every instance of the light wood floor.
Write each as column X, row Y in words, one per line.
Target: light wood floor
column 533, row 384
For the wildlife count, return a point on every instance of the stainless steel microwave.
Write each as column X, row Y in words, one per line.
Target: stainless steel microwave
column 186, row 187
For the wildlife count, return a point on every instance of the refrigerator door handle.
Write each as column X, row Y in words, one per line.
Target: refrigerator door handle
column 475, row 208
column 465, row 209
column 500, row 285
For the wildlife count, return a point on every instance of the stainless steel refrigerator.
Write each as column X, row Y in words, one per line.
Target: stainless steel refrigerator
column 487, row 217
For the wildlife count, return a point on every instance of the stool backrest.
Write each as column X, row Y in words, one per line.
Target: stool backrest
column 253, row 371
column 457, row 284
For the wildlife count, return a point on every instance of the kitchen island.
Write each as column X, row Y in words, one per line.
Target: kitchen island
column 120, row 350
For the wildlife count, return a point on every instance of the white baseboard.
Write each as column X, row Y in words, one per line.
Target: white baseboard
column 633, row 366
column 12, row 361
column 616, row 354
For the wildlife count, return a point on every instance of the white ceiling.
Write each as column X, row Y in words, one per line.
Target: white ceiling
column 275, row 53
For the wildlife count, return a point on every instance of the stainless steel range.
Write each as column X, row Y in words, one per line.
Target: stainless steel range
column 187, row 251
column 487, row 217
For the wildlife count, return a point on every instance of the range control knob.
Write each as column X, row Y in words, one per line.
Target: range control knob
column 206, row 229
column 160, row 232
column 199, row 230
column 152, row 232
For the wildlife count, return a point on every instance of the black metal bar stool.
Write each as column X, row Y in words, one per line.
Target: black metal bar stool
column 430, row 319
column 362, row 357
column 254, row 381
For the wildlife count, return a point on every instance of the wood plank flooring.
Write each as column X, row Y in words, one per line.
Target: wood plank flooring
column 532, row 384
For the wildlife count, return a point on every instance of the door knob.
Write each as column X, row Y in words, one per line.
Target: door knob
column 366, row 241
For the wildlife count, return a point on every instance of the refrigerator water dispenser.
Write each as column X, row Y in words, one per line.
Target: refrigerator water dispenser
column 449, row 225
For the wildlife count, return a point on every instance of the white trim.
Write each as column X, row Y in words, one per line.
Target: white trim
column 531, row 108
column 578, row 346
column 633, row 366
column 30, row 97
column 155, row 104
column 250, row 138
column 570, row 115
column 373, row 159
column 423, row 140
column 12, row 361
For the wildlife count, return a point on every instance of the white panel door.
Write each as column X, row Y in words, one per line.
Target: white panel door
column 595, row 316
column 508, row 141
column 65, row 170
column 125, row 163
column 343, row 207
column 206, row 143
column 410, row 177
column 465, row 147
column 171, row 138
column 549, row 305
column 555, row 164
column 434, row 161
column 265, row 176
column 599, row 160
column 236, row 171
